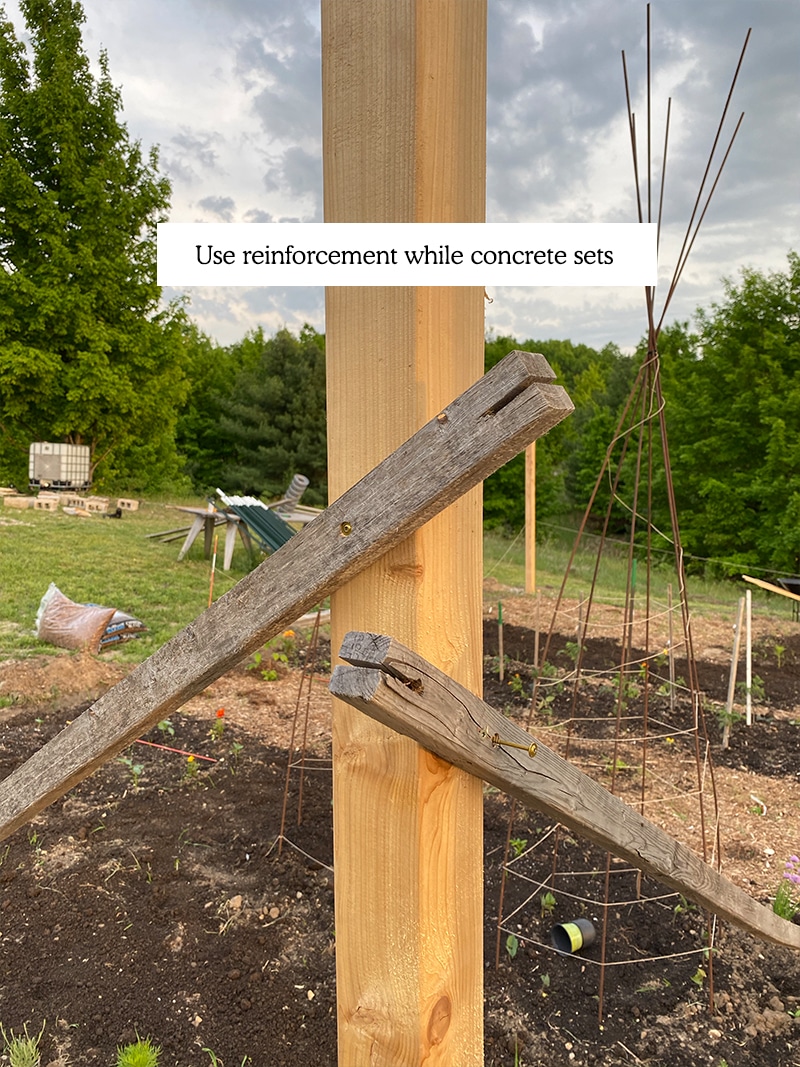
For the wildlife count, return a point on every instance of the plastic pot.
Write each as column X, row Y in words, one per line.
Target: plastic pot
column 569, row 937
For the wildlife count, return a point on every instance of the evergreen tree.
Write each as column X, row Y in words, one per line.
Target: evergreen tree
column 274, row 420
column 85, row 354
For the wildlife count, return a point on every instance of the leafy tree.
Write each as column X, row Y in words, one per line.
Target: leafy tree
column 569, row 457
column 274, row 420
column 86, row 356
column 733, row 418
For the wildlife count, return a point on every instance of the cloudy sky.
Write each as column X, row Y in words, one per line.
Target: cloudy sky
column 230, row 92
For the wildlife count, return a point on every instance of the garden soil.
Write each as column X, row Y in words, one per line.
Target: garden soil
column 159, row 899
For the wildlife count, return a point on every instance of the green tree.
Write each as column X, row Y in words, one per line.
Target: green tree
column 569, row 457
column 733, row 418
column 274, row 420
column 86, row 356
column 212, row 371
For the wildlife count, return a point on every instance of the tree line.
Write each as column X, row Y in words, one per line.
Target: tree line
column 89, row 352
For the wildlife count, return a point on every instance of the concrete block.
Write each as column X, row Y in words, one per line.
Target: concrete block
column 96, row 503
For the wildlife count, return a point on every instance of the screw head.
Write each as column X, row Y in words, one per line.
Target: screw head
column 346, row 528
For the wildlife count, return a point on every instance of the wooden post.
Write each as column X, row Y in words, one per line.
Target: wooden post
column 530, row 518
column 671, row 648
column 748, row 662
column 404, row 141
column 737, row 636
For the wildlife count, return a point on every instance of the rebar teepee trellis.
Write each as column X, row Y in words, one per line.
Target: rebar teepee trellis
column 639, row 443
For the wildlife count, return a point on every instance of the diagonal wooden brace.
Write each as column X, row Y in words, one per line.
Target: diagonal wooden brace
column 397, row 687
column 490, row 423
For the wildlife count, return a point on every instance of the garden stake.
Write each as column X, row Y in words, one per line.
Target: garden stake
column 213, row 568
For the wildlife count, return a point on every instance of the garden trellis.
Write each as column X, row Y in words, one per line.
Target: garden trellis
column 637, row 455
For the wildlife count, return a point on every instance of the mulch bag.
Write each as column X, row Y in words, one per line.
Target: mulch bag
column 62, row 622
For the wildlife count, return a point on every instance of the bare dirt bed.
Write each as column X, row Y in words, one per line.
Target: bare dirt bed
column 154, row 899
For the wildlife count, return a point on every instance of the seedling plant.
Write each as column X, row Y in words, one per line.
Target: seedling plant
column 142, row 1053
column 22, row 1051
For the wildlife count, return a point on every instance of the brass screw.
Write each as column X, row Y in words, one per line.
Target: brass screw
column 531, row 749
column 346, row 528
column 442, row 417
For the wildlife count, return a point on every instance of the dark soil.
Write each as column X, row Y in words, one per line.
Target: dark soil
column 154, row 901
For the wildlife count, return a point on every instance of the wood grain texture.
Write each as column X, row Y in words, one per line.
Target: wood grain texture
column 441, row 461
column 401, row 690
column 404, row 133
column 530, row 518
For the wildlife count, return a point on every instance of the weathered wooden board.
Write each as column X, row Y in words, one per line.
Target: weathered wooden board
column 483, row 428
column 403, row 691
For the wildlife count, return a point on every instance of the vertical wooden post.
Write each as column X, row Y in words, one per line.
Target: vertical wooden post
column 748, row 662
column 530, row 518
column 404, row 140
column 737, row 636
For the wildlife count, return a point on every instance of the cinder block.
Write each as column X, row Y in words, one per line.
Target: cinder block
column 72, row 500
column 18, row 501
column 96, row 503
column 127, row 505
column 45, row 503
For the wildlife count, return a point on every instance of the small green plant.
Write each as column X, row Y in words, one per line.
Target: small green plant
column 617, row 766
column 139, row 1054
column 626, row 688
column 166, row 728
column 512, row 945
column 218, row 725
column 551, row 674
column 134, row 769
column 547, row 903
column 545, row 707
column 545, row 980
column 757, row 691
column 699, row 976
column 22, row 1051
column 518, row 845
column 572, row 650
column 516, row 685
column 277, row 651
column 725, row 717
column 683, row 906
column 190, row 771
column 779, row 651
column 787, row 896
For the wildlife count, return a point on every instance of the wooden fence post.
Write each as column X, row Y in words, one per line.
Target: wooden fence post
column 404, row 141
column 530, row 518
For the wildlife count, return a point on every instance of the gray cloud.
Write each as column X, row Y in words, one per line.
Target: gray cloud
column 231, row 91
column 220, row 206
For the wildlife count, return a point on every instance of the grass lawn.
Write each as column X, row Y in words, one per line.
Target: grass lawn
column 112, row 562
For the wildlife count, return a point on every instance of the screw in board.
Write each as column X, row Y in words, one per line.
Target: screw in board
column 531, row 749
